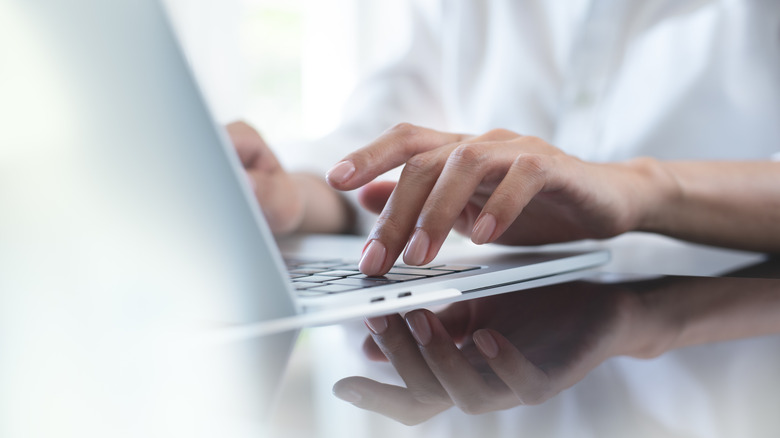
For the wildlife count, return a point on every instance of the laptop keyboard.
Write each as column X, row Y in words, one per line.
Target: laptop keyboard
column 314, row 278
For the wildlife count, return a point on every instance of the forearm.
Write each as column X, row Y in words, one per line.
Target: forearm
column 325, row 210
column 729, row 204
column 693, row 311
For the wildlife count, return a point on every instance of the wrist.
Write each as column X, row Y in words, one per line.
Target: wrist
column 649, row 328
column 289, row 210
column 660, row 194
column 323, row 209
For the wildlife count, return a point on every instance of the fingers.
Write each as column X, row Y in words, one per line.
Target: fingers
column 455, row 319
column 530, row 384
column 247, row 141
column 372, row 351
column 390, row 150
column 434, row 192
column 466, row 167
column 444, row 174
column 374, row 195
column 456, row 374
column 397, row 344
column 436, row 373
column 528, row 175
column 396, row 222
column 392, row 401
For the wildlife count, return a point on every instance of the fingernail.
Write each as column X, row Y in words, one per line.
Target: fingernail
column 418, row 248
column 486, row 344
column 340, row 173
column 377, row 324
column 421, row 330
column 348, row 395
column 373, row 258
column 483, row 229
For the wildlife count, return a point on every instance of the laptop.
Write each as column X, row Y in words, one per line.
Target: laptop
column 115, row 181
column 115, row 117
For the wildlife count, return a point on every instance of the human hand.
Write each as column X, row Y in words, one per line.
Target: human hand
column 495, row 353
column 276, row 190
column 498, row 187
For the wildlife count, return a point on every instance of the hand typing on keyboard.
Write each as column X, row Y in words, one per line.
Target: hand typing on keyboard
column 498, row 187
column 513, row 189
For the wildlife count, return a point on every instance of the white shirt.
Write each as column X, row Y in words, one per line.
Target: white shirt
column 601, row 79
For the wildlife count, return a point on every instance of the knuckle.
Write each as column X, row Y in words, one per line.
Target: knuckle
column 391, row 347
column 468, row 156
column 366, row 156
column 446, row 364
column 500, row 133
column 405, row 135
column 468, row 152
column 534, row 140
column 404, row 128
column 503, row 201
column 420, row 164
column 539, row 145
column 389, row 224
column 535, row 143
column 530, row 164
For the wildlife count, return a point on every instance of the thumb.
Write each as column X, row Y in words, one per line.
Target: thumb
column 374, row 195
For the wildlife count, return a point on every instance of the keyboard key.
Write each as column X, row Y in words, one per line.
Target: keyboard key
column 339, row 273
column 334, row 288
column 362, row 282
column 456, row 268
column 314, row 279
column 306, row 271
column 302, row 285
column 348, row 267
column 321, row 265
column 418, row 271
column 393, row 277
column 428, row 266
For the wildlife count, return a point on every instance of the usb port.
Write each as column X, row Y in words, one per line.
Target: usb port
column 377, row 299
column 404, row 294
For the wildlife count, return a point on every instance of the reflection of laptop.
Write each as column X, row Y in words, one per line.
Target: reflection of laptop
column 138, row 156
column 115, row 182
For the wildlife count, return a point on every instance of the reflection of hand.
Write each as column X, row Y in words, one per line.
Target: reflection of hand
column 493, row 353
column 481, row 185
column 275, row 189
column 523, row 348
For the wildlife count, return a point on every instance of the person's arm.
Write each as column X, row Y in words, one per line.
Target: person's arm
column 693, row 311
column 730, row 204
column 291, row 202
column 325, row 210
column 524, row 348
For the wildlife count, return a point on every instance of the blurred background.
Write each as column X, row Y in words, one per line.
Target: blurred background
column 285, row 66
